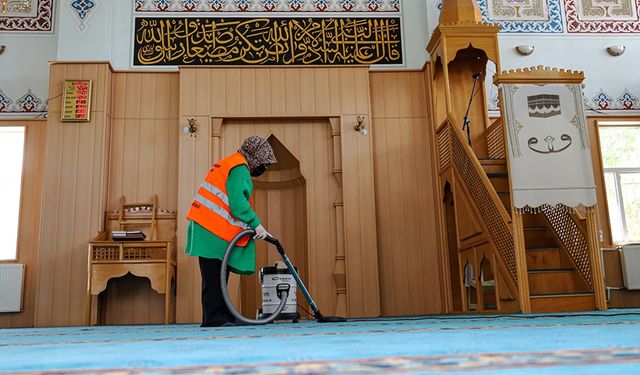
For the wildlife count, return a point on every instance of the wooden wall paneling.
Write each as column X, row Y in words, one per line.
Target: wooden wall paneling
column 63, row 261
column 144, row 150
column 51, row 189
column 307, row 95
column 322, row 98
column 30, row 209
column 232, row 93
column 143, row 162
column 335, row 92
column 406, row 232
column 217, row 86
column 293, row 91
column 247, row 90
column 187, row 92
column 75, row 179
column 262, row 91
column 277, row 90
column 425, row 213
column 361, row 244
column 29, row 222
column 195, row 161
column 596, row 157
column 348, row 93
column 202, row 101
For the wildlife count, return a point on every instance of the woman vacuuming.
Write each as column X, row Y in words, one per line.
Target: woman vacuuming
column 220, row 210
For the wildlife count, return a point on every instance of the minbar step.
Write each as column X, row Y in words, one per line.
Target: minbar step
column 562, row 302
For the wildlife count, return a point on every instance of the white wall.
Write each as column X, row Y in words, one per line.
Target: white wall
column 107, row 36
column 88, row 40
column 602, row 71
column 24, row 66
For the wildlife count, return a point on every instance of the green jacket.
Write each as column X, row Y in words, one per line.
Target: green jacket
column 202, row 243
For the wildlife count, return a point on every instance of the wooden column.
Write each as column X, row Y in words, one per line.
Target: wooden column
column 75, row 190
column 521, row 262
column 359, row 220
column 595, row 259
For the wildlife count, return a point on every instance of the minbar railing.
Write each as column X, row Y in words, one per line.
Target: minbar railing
column 453, row 152
column 571, row 238
column 495, row 140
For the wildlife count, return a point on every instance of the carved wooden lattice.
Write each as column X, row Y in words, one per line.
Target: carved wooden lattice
column 102, row 251
column 444, row 148
column 571, row 238
column 495, row 140
column 498, row 228
column 105, row 253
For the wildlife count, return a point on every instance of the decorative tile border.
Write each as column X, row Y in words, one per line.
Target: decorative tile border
column 38, row 18
column 82, row 11
column 599, row 16
column 523, row 16
column 625, row 101
column 28, row 103
column 167, row 6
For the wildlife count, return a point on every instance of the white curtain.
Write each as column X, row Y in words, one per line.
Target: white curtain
column 548, row 146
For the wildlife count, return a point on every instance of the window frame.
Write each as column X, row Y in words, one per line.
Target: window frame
column 616, row 172
column 18, row 251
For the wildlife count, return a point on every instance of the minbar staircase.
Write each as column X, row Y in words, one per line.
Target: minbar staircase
column 554, row 283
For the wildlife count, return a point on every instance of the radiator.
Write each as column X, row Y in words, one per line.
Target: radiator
column 631, row 266
column 11, row 281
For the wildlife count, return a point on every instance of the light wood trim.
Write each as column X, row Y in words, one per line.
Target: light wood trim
column 595, row 258
column 20, row 120
column 29, row 219
column 538, row 74
column 521, row 262
column 559, row 303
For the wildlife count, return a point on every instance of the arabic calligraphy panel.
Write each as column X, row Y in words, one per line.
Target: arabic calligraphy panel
column 267, row 41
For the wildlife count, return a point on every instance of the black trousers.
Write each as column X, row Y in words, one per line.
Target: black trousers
column 214, row 310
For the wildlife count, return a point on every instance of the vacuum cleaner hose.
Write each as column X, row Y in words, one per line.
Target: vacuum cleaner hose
column 225, row 292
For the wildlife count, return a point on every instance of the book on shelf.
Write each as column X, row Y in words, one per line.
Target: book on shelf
column 128, row 235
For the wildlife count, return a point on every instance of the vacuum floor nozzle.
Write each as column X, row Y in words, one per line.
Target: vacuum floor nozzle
column 331, row 319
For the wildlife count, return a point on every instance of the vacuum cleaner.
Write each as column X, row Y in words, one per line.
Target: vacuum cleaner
column 283, row 289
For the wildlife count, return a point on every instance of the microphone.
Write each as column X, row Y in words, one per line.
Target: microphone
column 476, row 75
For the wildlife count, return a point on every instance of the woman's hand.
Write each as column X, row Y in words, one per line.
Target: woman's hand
column 261, row 233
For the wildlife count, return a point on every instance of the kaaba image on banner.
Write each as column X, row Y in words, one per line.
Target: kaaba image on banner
column 544, row 106
column 267, row 41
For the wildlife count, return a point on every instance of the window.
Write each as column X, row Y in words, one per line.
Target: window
column 11, row 153
column 620, row 147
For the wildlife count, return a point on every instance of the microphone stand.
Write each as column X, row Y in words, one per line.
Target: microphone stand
column 466, row 121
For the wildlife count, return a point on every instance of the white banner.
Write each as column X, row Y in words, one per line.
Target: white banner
column 548, row 145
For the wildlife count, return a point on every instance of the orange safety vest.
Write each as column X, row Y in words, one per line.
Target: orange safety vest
column 210, row 206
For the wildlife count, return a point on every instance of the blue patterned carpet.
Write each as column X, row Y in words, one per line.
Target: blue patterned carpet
column 588, row 343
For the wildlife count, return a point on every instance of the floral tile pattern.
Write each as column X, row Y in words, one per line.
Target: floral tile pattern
column 165, row 6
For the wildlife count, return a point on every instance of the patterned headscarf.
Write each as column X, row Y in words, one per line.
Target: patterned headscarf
column 257, row 151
